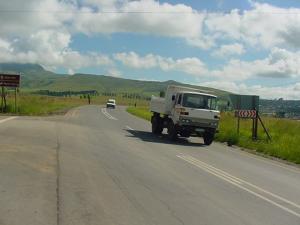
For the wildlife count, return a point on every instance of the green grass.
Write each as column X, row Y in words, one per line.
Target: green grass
column 42, row 105
column 285, row 134
column 45, row 105
column 141, row 112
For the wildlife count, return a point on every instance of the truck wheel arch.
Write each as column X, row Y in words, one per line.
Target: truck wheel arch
column 172, row 132
column 208, row 137
column 156, row 122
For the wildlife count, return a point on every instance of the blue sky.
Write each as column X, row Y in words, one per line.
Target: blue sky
column 214, row 5
column 240, row 46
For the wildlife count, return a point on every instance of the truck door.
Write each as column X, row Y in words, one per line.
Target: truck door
column 177, row 106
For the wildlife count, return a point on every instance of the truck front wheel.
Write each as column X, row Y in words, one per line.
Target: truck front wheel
column 208, row 137
column 172, row 133
column 156, row 122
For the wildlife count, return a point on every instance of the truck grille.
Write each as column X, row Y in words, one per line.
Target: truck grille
column 198, row 122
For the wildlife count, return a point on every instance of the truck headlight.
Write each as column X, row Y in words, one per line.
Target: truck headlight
column 185, row 120
column 217, row 117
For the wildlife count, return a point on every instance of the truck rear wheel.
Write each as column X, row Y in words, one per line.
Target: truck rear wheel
column 156, row 122
column 172, row 133
column 208, row 137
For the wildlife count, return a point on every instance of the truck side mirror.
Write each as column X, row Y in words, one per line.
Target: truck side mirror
column 173, row 97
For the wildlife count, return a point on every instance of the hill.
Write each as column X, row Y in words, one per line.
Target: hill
column 34, row 77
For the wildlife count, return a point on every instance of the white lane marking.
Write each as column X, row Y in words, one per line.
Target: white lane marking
column 239, row 182
column 7, row 119
column 207, row 169
column 74, row 113
column 244, row 182
column 129, row 128
column 251, row 155
column 107, row 115
column 270, row 201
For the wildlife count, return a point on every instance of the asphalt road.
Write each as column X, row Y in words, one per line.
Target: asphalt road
column 98, row 166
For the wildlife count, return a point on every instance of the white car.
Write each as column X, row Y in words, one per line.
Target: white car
column 111, row 103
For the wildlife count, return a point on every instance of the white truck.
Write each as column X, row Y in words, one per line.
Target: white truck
column 186, row 112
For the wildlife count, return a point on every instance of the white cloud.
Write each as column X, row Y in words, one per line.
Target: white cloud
column 4, row 44
column 76, row 60
column 41, row 32
column 152, row 18
column 204, row 42
column 102, row 4
column 49, row 48
column 193, row 66
column 279, row 64
column 286, row 92
column 229, row 50
column 264, row 25
column 71, row 72
column 23, row 18
column 291, row 35
column 133, row 60
column 36, row 31
column 145, row 17
column 114, row 72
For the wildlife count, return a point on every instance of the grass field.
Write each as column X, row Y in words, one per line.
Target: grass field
column 141, row 112
column 285, row 134
column 28, row 104
column 41, row 105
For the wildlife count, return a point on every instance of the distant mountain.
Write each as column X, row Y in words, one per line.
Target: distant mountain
column 21, row 68
column 35, row 77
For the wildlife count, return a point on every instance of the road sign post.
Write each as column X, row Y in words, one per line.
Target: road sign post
column 9, row 81
column 2, row 99
column 238, row 125
column 15, row 100
column 248, row 114
column 256, row 127
column 247, row 107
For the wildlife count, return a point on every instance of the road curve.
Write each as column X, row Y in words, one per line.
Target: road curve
column 100, row 166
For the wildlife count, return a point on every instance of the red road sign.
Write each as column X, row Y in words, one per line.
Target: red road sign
column 246, row 113
column 9, row 80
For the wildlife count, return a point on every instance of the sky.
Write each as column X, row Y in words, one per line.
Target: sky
column 242, row 46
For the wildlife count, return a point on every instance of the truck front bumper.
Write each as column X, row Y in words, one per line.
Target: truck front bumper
column 198, row 123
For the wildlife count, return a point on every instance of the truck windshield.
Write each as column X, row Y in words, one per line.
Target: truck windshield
column 198, row 101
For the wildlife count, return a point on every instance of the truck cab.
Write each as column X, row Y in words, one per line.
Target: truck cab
column 195, row 109
column 185, row 112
